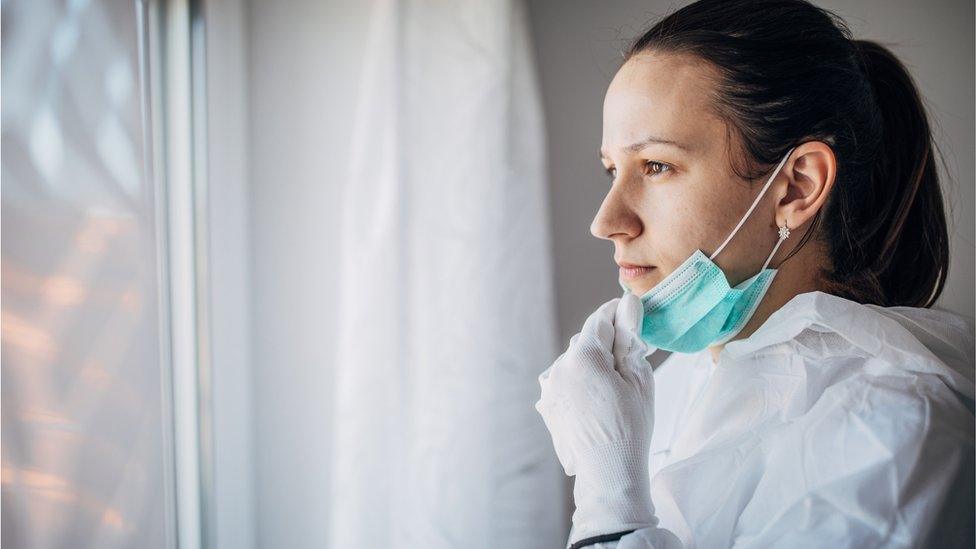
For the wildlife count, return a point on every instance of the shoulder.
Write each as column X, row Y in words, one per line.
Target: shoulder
column 880, row 409
column 859, row 417
column 911, row 341
column 874, row 458
column 870, row 408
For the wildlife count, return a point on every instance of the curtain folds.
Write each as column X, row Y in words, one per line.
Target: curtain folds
column 447, row 314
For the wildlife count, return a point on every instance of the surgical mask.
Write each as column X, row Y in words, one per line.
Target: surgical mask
column 695, row 307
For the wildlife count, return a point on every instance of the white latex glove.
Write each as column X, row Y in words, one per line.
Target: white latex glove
column 598, row 404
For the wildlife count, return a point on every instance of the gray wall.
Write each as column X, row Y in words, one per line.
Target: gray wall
column 577, row 44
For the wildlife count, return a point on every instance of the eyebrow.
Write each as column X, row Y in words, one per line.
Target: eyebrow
column 643, row 143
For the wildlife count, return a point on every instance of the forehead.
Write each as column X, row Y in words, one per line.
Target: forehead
column 661, row 94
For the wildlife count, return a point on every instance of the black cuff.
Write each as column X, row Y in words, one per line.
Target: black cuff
column 597, row 539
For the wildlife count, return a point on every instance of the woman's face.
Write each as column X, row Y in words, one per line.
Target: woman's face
column 673, row 189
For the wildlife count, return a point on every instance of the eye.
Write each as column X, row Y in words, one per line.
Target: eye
column 657, row 167
column 653, row 168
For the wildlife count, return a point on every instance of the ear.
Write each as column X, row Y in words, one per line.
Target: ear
column 810, row 176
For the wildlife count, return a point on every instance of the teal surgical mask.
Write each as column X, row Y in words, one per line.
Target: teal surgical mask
column 694, row 307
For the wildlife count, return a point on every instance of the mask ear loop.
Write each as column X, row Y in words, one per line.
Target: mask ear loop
column 754, row 203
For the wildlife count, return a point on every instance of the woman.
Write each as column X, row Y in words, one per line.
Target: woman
column 812, row 397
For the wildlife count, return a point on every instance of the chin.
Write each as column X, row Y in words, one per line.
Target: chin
column 641, row 287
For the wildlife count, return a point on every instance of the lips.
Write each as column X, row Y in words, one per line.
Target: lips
column 630, row 271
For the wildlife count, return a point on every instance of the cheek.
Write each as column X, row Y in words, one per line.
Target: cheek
column 681, row 221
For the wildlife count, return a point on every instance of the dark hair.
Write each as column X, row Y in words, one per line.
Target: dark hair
column 790, row 72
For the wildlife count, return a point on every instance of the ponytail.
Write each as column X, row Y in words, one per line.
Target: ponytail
column 890, row 239
column 791, row 72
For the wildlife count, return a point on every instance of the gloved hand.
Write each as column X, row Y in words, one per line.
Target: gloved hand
column 598, row 404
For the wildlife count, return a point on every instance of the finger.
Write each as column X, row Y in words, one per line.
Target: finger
column 627, row 323
column 563, row 451
column 599, row 325
column 539, row 407
column 630, row 313
column 545, row 373
column 544, row 376
column 630, row 350
column 637, row 371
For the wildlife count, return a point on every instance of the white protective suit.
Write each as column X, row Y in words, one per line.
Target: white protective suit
column 835, row 425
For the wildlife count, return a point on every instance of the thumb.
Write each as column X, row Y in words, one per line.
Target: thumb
column 598, row 327
column 627, row 323
column 630, row 313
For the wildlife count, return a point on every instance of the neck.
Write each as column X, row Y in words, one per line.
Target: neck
column 799, row 275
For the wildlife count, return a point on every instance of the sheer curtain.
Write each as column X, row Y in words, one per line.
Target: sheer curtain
column 447, row 313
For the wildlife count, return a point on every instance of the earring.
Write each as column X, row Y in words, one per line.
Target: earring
column 784, row 232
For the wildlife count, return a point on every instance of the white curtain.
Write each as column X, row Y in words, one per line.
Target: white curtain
column 447, row 313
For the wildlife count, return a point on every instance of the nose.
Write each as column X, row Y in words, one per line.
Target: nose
column 616, row 218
